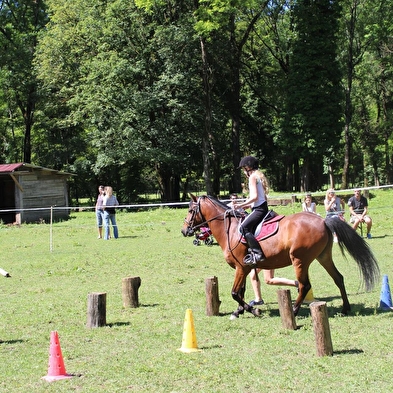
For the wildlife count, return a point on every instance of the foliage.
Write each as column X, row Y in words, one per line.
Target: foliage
column 20, row 23
column 156, row 95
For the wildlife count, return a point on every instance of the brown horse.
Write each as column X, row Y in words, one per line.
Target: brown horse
column 301, row 238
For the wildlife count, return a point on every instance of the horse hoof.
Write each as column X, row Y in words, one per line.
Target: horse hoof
column 256, row 312
column 233, row 317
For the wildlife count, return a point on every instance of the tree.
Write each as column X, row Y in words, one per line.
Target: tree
column 373, row 100
column 20, row 23
column 128, row 80
column 312, row 128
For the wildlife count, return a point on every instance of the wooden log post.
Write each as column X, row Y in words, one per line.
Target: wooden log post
column 286, row 311
column 129, row 289
column 321, row 326
column 212, row 297
column 96, row 309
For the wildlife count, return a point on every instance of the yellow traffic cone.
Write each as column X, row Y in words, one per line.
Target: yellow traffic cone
column 309, row 297
column 189, row 343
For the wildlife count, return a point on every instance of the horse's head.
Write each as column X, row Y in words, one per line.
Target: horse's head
column 202, row 211
column 194, row 217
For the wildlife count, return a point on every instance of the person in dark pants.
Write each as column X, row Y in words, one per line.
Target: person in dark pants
column 258, row 189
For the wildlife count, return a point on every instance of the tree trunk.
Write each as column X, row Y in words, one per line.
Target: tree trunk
column 28, row 116
column 348, row 96
column 169, row 184
column 207, row 129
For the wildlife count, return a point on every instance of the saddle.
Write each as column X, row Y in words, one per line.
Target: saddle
column 268, row 227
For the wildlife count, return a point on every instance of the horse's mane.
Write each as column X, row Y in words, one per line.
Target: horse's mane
column 218, row 202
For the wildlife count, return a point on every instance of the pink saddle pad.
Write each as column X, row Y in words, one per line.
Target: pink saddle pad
column 266, row 230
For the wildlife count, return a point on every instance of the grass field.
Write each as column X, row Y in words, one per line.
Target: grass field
column 138, row 349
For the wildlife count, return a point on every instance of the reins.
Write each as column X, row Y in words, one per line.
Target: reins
column 227, row 227
column 204, row 221
column 226, row 214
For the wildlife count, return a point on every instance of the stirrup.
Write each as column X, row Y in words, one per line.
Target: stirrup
column 252, row 258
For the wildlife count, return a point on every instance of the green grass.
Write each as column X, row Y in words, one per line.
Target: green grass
column 138, row 349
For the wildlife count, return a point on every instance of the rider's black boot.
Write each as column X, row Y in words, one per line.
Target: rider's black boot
column 255, row 252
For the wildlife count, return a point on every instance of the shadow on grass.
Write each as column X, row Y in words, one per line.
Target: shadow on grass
column 11, row 341
column 357, row 309
column 149, row 305
column 348, row 352
column 118, row 324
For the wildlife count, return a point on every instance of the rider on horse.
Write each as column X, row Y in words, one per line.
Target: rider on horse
column 258, row 189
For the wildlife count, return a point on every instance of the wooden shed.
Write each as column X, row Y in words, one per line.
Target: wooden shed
column 27, row 193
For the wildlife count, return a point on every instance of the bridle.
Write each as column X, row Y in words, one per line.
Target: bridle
column 195, row 210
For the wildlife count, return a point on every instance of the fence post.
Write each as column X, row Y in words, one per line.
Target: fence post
column 129, row 289
column 96, row 309
column 286, row 311
column 321, row 326
column 212, row 297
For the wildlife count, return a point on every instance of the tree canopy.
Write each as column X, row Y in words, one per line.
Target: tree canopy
column 153, row 96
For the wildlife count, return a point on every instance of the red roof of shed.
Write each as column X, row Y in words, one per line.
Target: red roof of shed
column 10, row 167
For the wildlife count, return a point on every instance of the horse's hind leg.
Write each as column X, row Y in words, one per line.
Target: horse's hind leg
column 326, row 260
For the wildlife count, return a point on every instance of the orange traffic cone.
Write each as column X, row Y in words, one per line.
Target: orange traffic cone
column 189, row 343
column 56, row 369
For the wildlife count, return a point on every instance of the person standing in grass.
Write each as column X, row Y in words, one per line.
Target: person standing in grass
column 100, row 210
column 109, row 203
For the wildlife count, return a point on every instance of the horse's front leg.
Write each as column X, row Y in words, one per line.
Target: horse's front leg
column 303, row 289
column 238, row 296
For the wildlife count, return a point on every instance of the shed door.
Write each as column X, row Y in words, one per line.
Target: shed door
column 7, row 199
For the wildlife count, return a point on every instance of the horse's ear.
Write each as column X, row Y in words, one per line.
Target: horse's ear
column 193, row 197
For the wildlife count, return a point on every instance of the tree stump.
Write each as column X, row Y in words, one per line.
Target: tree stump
column 321, row 326
column 96, row 309
column 129, row 290
column 286, row 311
column 212, row 297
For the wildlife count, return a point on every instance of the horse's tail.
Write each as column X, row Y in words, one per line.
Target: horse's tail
column 358, row 248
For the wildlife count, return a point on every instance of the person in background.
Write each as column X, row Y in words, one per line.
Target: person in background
column 308, row 205
column 358, row 208
column 334, row 207
column 100, row 210
column 234, row 198
column 269, row 278
column 109, row 203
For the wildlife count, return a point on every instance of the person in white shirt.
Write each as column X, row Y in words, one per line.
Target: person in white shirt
column 258, row 189
column 308, row 205
column 109, row 203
